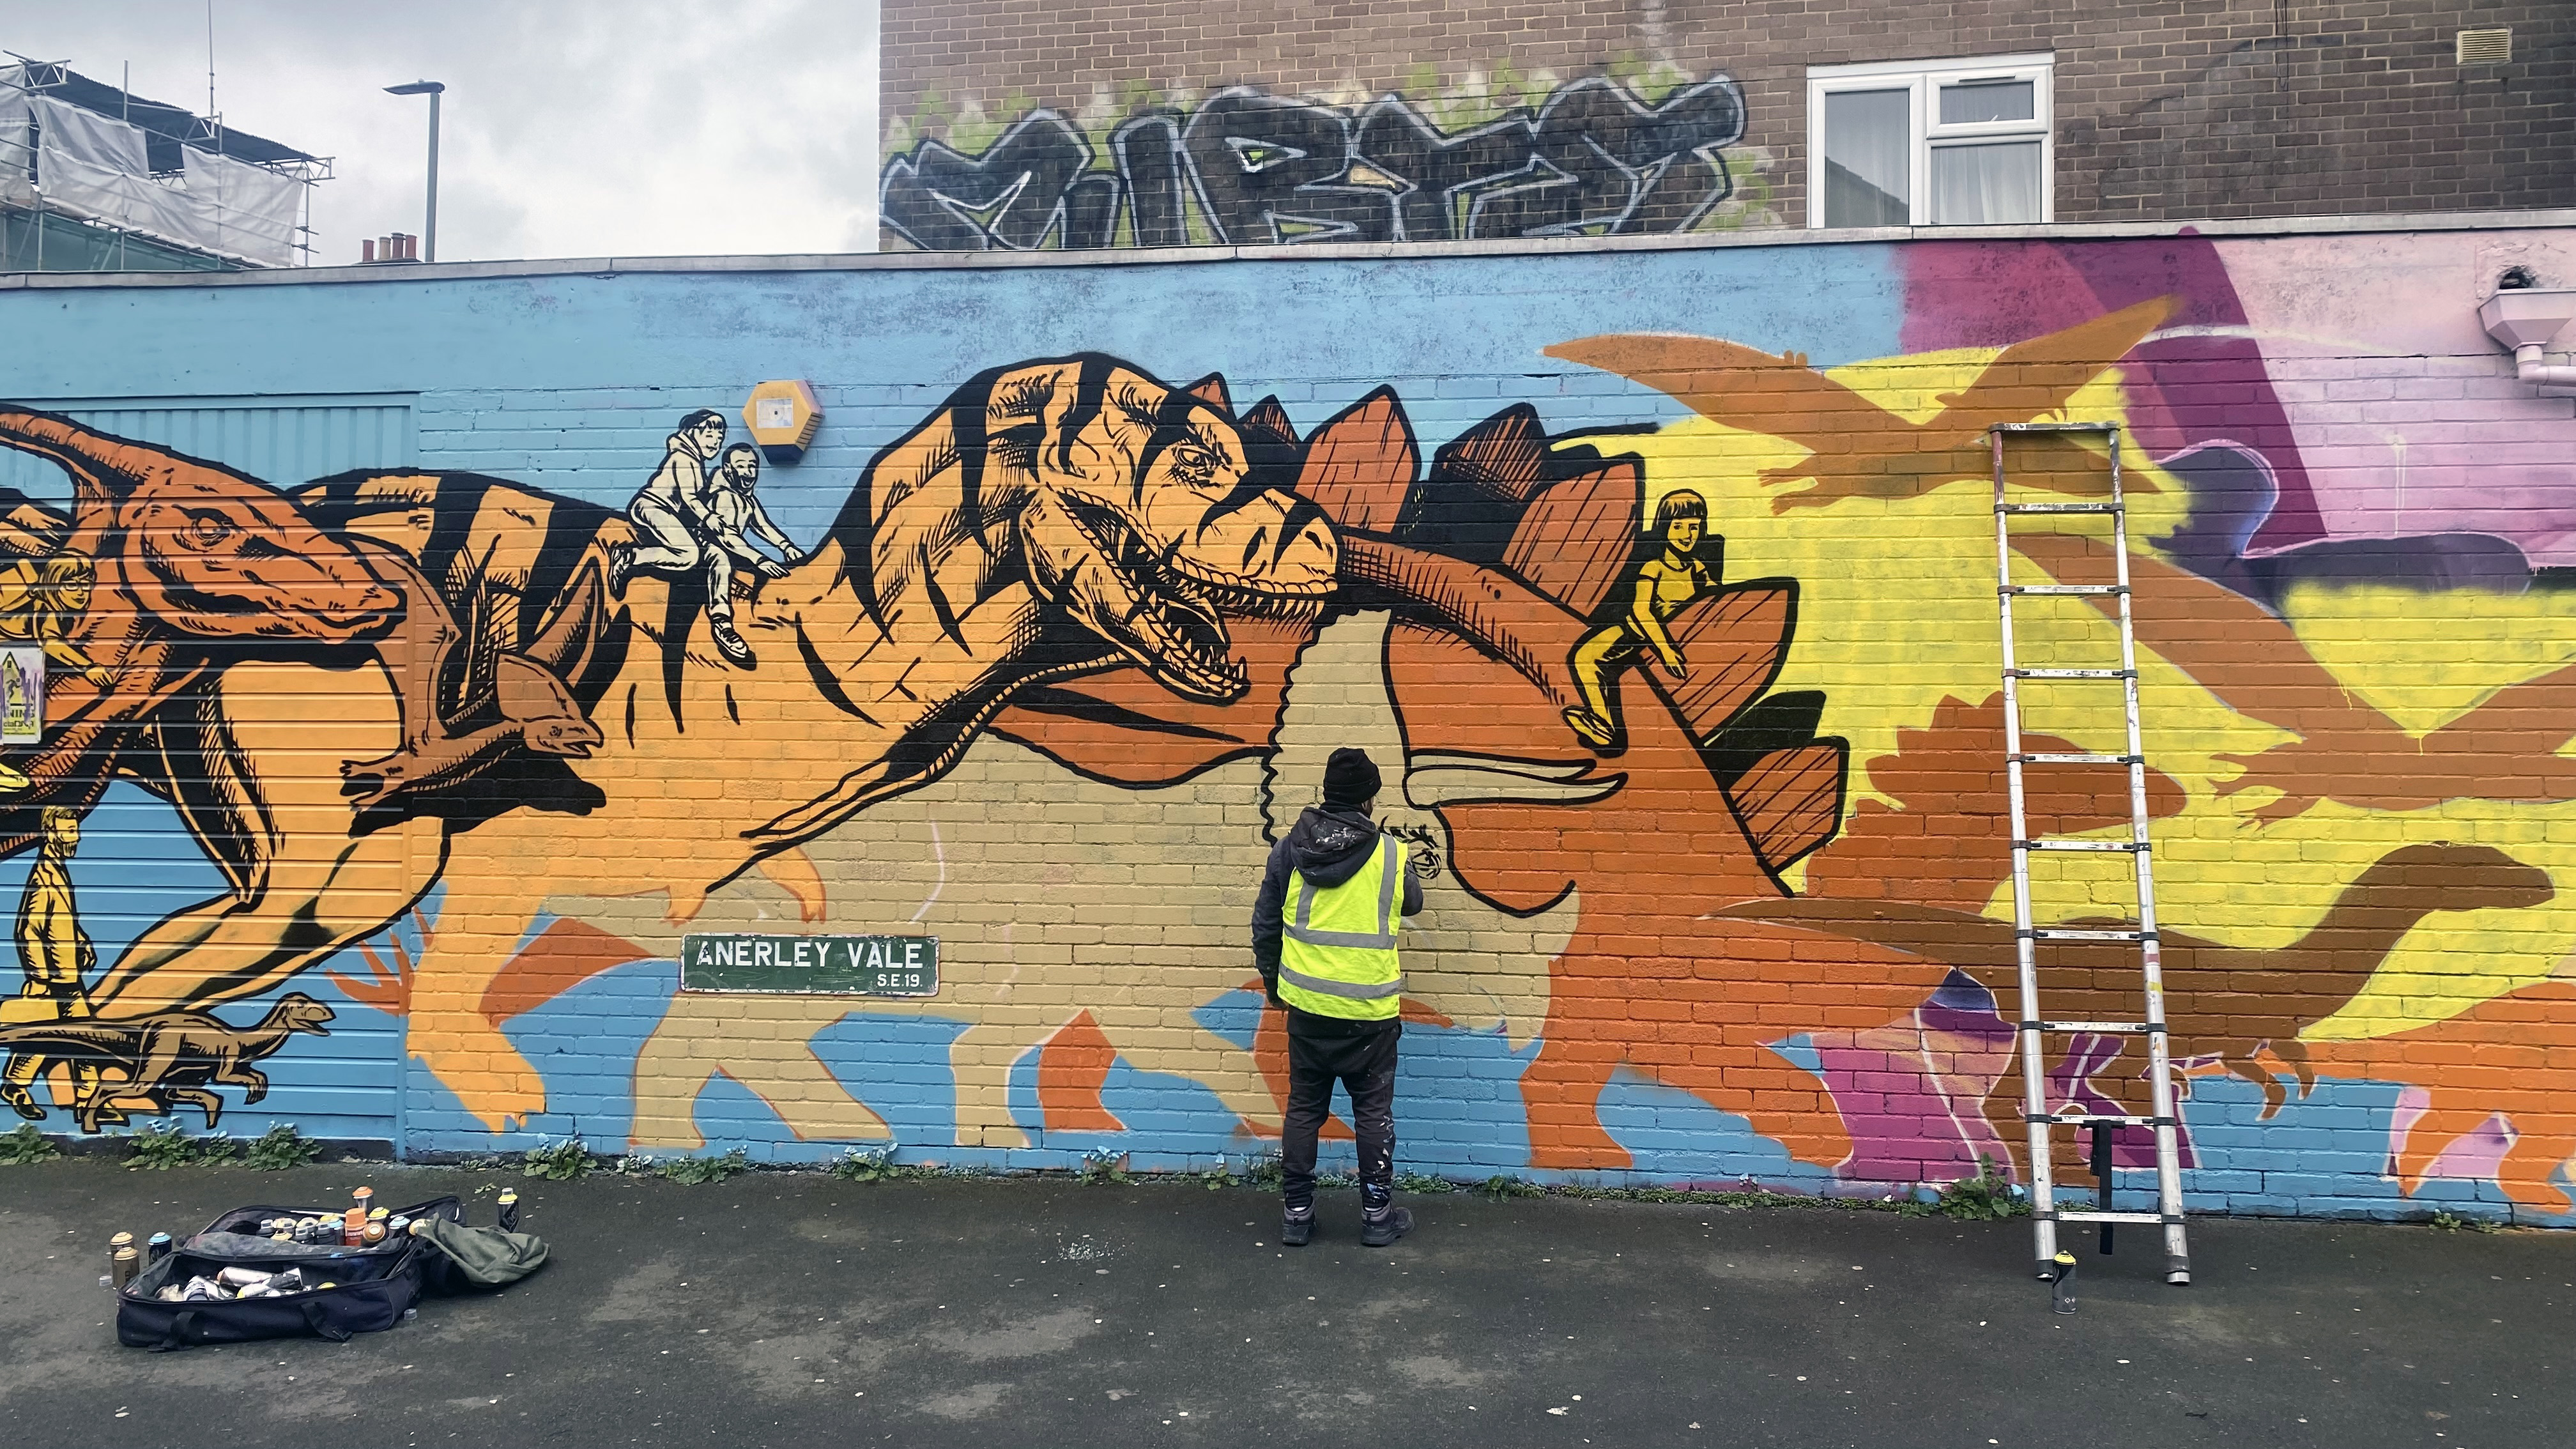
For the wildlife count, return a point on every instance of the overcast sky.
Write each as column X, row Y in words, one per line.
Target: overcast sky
column 571, row 128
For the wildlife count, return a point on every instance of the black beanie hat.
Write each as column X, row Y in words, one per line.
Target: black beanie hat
column 1350, row 779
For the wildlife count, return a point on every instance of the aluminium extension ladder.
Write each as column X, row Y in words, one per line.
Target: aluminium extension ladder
column 2035, row 1028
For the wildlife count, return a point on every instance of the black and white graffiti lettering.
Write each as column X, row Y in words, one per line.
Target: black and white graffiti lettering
column 1250, row 168
column 1030, row 184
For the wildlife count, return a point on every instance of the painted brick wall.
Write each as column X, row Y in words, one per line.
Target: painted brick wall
column 1744, row 921
column 2166, row 110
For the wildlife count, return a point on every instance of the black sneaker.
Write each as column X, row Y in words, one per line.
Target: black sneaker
column 1294, row 1231
column 621, row 565
column 1377, row 1232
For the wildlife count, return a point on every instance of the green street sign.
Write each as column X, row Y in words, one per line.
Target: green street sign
column 818, row 965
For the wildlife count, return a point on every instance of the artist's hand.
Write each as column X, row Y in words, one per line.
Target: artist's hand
column 794, row 554
column 770, row 568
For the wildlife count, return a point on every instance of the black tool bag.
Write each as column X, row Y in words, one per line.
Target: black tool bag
column 371, row 1287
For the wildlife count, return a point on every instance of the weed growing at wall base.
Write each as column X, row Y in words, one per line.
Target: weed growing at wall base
column 279, row 1148
column 23, row 1145
column 565, row 1161
column 162, row 1144
column 1984, row 1197
column 692, row 1171
column 877, row 1164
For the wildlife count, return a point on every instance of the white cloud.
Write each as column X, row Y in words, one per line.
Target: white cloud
column 574, row 128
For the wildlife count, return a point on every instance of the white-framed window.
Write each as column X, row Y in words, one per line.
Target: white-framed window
column 1930, row 142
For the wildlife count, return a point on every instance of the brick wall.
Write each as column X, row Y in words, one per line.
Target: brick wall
column 2166, row 109
column 1743, row 920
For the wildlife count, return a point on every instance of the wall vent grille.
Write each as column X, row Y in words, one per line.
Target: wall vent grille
column 2485, row 47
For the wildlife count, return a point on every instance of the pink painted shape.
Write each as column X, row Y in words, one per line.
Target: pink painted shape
column 2478, row 1155
column 2183, row 391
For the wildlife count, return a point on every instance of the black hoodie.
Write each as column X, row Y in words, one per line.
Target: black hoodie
column 1327, row 847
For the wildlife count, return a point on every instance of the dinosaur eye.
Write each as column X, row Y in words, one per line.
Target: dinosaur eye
column 206, row 530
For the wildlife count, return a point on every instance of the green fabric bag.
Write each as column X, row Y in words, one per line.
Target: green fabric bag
column 484, row 1255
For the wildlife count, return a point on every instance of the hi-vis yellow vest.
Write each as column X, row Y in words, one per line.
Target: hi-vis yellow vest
column 1338, row 957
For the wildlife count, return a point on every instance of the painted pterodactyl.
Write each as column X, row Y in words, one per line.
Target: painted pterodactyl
column 1858, row 448
column 2504, row 749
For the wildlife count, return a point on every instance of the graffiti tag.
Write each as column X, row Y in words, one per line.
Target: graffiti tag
column 1252, row 168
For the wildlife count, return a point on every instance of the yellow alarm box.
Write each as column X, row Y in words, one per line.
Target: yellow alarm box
column 783, row 418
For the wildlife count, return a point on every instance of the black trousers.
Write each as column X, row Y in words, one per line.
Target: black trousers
column 1365, row 1066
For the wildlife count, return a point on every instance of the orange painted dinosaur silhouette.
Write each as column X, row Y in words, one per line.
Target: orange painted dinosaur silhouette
column 1862, row 450
column 2504, row 748
column 1949, row 841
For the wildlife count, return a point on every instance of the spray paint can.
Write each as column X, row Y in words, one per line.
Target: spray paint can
column 508, row 1207
column 122, row 1242
column 122, row 1268
column 157, row 1249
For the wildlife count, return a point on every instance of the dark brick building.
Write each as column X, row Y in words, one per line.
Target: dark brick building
column 1205, row 121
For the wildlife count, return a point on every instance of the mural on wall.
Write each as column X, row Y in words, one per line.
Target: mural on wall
column 1694, row 722
column 1246, row 168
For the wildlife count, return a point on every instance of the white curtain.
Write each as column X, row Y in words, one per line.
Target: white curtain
column 1985, row 185
column 1869, row 145
column 253, row 209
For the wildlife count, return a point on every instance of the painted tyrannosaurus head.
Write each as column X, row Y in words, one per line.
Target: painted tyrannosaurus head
column 210, row 552
column 1132, row 507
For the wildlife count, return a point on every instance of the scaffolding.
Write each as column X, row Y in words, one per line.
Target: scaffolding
column 96, row 178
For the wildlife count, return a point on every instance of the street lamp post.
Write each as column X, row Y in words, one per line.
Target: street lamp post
column 433, row 90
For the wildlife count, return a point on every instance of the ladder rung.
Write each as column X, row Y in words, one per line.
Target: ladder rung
column 2072, row 933
column 2057, row 507
column 2079, row 845
column 2078, row 759
column 2104, row 1119
column 2067, row 589
column 2018, row 673
column 2057, row 427
column 2096, row 1215
column 2098, row 1028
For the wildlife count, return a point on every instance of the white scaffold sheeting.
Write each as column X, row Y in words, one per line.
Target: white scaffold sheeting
column 17, row 149
column 97, row 167
column 253, row 208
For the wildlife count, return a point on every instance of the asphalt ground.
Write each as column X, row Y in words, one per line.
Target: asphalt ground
column 794, row 1309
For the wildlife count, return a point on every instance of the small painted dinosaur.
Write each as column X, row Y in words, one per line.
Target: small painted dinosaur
column 170, row 1056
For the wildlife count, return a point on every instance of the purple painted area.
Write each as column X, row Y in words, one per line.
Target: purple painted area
column 2070, row 1082
column 2185, row 391
column 2474, row 1156
column 1912, row 1093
